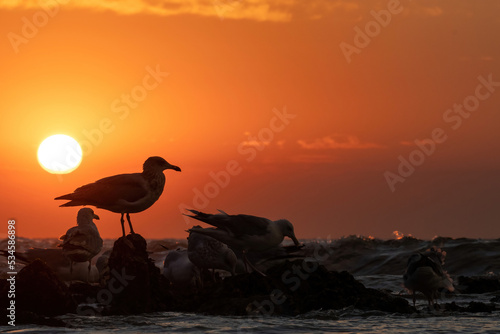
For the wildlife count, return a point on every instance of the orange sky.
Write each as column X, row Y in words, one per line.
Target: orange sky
column 232, row 66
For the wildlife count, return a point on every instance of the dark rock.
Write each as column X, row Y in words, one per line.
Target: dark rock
column 135, row 284
column 84, row 292
column 453, row 307
column 40, row 291
column 291, row 288
column 39, row 295
column 478, row 284
column 473, row 307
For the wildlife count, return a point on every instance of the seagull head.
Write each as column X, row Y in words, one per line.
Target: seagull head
column 230, row 261
column 414, row 258
column 158, row 164
column 85, row 216
column 287, row 230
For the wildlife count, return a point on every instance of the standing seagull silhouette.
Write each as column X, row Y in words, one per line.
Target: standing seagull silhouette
column 124, row 193
column 82, row 242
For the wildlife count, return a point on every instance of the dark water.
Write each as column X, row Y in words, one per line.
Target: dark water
column 376, row 263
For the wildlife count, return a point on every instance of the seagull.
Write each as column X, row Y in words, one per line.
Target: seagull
column 245, row 232
column 425, row 274
column 82, row 242
column 57, row 262
column 208, row 253
column 179, row 270
column 124, row 193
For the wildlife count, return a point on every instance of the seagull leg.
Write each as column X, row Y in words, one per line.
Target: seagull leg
column 88, row 274
column 70, row 272
column 130, row 224
column 245, row 260
column 123, row 227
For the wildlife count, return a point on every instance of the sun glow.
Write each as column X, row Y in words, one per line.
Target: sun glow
column 59, row 154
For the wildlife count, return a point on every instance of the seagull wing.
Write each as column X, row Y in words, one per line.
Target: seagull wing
column 76, row 239
column 235, row 224
column 248, row 225
column 434, row 264
column 107, row 191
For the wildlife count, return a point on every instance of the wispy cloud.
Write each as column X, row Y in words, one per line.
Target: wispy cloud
column 259, row 10
column 255, row 143
column 337, row 142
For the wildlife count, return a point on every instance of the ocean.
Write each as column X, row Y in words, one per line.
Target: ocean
column 376, row 263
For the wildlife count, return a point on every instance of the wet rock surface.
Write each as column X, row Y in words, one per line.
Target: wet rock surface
column 478, row 284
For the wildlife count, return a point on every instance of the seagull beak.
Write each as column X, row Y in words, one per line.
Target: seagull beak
column 169, row 166
column 96, row 217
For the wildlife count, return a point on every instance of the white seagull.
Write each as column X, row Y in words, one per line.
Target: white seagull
column 82, row 242
column 179, row 270
column 425, row 274
column 208, row 253
column 124, row 193
column 244, row 232
column 58, row 263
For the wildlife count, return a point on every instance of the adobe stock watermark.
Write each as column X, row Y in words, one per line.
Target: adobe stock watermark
column 32, row 25
column 372, row 29
column 454, row 117
column 221, row 179
column 121, row 107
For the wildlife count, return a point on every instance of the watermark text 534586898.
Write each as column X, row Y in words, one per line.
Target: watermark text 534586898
column 11, row 264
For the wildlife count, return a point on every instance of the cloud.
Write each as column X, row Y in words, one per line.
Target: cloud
column 258, row 10
column 337, row 142
column 255, row 143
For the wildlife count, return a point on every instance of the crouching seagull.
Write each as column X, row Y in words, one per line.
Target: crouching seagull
column 124, row 193
column 54, row 258
column 425, row 274
column 209, row 253
column 179, row 270
column 245, row 232
column 82, row 242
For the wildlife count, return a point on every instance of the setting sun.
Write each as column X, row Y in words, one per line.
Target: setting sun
column 59, row 154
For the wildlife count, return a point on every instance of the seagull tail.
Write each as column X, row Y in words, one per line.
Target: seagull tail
column 198, row 215
column 74, row 200
column 67, row 196
column 74, row 203
column 223, row 212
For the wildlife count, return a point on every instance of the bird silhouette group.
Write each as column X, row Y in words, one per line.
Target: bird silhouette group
column 208, row 248
column 213, row 248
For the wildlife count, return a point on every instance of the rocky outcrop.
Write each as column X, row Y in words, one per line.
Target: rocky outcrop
column 288, row 289
column 473, row 284
column 39, row 294
column 135, row 284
